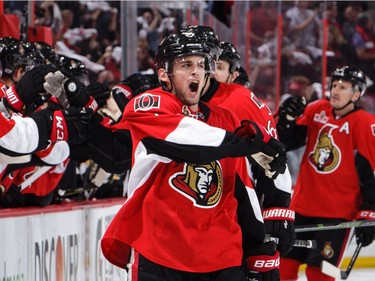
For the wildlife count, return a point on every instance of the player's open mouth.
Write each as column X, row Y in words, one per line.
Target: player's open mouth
column 193, row 86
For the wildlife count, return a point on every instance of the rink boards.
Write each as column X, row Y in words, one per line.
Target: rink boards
column 63, row 243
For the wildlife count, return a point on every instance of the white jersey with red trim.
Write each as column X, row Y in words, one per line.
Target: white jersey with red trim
column 18, row 134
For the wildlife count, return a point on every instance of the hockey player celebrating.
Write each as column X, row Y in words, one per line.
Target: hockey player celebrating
column 273, row 194
column 181, row 210
column 336, row 179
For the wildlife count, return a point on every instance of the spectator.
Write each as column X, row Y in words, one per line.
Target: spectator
column 336, row 41
column 111, row 60
column 149, row 21
column 350, row 20
column 144, row 57
column 49, row 14
column 304, row 25
column 263, row 22
column 67, row 23
column 363, row 41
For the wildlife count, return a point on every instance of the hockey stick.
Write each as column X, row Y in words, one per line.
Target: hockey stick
column 333, row 271
column 347, row 224
column 74, row 191
column 310, row 244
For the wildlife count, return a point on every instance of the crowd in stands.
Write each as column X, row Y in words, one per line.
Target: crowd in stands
column 86, row 38
column 350, row 40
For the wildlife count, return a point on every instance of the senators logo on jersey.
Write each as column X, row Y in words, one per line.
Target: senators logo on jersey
column 203, row 184
column 326, row 155
column 146, row 102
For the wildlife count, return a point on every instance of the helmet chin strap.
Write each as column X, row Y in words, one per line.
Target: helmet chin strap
column 163, row 84
column 348, row 103
column 228, row 79
column 207, row 77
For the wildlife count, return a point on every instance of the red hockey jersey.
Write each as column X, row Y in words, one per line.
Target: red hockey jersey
column 244, row 104
column 328, row 183
column 180, row 214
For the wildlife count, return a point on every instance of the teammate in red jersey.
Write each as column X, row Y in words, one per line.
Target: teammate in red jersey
column 336, row 179
column 180, row 216
column 229, row 63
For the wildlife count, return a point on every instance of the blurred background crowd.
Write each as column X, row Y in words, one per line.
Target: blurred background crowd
column 286, row 47
column 299, row 30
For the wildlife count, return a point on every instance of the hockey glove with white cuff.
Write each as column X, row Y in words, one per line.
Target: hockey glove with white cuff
column 71, row 93
column 279, row 222
column 28, row 90
column 365, row 234
column 263, row 263
column 267, row 152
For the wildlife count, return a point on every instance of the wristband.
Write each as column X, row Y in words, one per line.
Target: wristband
column 278, row 214
column 263, row 263
column 92, row 104
column 59, row 128
column 365, row 215
column 13, row 99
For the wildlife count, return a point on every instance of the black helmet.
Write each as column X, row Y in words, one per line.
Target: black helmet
column 242, row 78
column 355, row 76
column 71, row 67
column 18, row 54
column 4, row 43
column 208, row 37
column 47, row 52
column 179, row 45
column 231, row 56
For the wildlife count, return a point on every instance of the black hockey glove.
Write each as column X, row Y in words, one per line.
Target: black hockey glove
column 279, row 222
column 122, row 95
column 12, row 197
column 140, row 83
column 72, row 124
column 26, row 91
column 78, row 95
column 99, row 92
column 292, row 107
column 365, row 234
column 263, row 263
column 266, row 152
